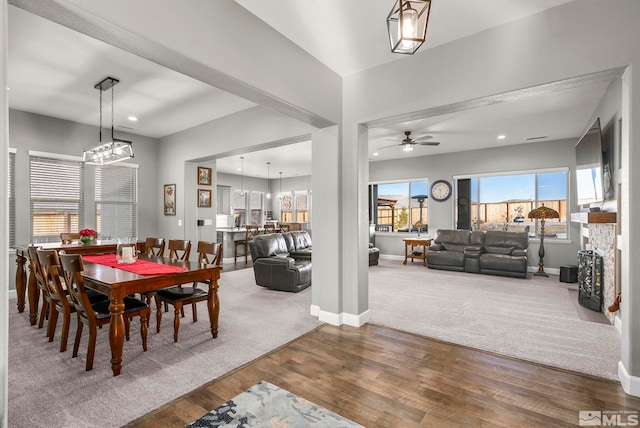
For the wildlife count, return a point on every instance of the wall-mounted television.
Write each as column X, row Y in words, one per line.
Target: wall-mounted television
column 593, row 178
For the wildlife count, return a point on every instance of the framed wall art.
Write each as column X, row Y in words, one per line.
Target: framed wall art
column 204, row 176
column 204, row 198
column 169, row 199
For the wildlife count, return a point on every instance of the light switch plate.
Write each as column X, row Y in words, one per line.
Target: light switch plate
column 208, row 222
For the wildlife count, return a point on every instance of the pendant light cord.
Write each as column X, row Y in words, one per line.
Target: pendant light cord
column 100, row 132
column 112, row 114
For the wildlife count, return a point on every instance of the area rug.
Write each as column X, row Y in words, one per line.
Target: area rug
column 266, row 405
column 532, row 319
column 49, row 388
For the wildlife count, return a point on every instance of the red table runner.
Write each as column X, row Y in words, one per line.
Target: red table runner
column 142, row 267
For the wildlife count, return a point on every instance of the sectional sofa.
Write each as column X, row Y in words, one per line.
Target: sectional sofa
column 492, row 252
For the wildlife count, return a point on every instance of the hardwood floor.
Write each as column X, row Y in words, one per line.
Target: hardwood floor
column 379, row 377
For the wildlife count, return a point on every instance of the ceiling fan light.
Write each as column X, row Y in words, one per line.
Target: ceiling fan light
column 407, row 147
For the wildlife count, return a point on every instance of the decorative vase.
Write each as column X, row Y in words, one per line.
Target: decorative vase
column 86, row 240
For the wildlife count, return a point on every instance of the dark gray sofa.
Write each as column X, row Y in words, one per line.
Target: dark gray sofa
column 282, row 261
column 493, row 252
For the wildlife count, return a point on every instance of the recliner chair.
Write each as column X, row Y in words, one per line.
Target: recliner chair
column 274, row 269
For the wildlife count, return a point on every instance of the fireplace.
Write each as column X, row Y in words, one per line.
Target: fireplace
column 590, row 278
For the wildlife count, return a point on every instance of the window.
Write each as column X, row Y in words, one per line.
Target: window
column 502, row 202
column 397, row 207
column 56, row 196
column 256, row 199
column 240, row 207
column 116, row 200
column 302, row 206
column 286, row 208
column 11, row 187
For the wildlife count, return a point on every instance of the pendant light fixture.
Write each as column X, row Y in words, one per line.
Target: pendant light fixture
column 268, row 182
column 407, row 25
column 241, row 175
column 115, row 150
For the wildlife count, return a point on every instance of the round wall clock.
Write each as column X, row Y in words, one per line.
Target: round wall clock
column 440, row 190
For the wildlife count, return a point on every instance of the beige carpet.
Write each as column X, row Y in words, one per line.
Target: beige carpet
column 50, row 389
column 532, row 319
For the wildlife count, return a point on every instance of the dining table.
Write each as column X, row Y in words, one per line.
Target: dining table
column 117, row 283
column 26, row 284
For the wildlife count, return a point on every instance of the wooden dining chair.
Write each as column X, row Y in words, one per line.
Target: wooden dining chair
column 178, row 249
column 154, row 247
column 69, row 238
column 38, row 273
column 269, row 228
column 96, row 314
column 283, row 227
column 58, row 300
column 251, row 230
column 209, row 253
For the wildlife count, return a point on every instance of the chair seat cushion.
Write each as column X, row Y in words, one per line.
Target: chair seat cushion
column 130, row 305
column 175, row 294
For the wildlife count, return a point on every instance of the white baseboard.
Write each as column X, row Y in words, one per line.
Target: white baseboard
column 617, row 323
column 13, row 294
column 391, row 257
column 341, row 318
column 630, row 384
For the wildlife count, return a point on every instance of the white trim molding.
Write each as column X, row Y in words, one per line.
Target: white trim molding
column 630, row 384
column 341, row 318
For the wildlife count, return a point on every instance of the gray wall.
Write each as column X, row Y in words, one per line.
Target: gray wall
column 522, row 157
column 30, row 131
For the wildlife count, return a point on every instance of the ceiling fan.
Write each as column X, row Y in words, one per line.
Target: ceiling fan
column 407, row 143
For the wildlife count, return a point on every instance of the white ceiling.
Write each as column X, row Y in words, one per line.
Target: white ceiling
column 347, row 36
column 351, row 35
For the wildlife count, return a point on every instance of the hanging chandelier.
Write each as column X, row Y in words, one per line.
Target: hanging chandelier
column 241, row 175
column 115, row 150
column 407, row 25
column 268, row 182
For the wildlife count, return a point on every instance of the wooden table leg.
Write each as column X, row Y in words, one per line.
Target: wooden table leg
column 21, row 281
column 405, row 253
column 213, row 304
column 116, row 334
column 424, row 255
column 34, row 296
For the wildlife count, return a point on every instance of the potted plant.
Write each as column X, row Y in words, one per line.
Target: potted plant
column 87, row 236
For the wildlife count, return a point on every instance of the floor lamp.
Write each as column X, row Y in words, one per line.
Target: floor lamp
column 420, row 199
column 542, row 213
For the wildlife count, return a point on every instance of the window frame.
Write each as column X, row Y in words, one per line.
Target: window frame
column 11, row 195
column 535, row 172
column 55, row 157
column 133, row 204
column 410, row 208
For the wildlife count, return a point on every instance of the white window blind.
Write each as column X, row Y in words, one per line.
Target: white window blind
column 12, row 199
column 56, row 197
column 116, row 201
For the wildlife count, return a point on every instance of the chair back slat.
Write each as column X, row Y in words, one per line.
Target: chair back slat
column 72, row 268
column 251, row 230
column 210, row 253
column 50, row 263
column 179, row 249
column 269, row 228
column 154, row 247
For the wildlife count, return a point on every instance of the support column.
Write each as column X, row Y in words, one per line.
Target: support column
column 629, row 365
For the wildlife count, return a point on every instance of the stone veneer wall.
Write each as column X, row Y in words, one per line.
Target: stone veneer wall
column 602, row 236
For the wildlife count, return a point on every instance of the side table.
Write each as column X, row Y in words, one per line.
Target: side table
column 412, row 249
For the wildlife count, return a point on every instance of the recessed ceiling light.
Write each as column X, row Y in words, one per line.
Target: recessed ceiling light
column 376, row 153
column 238, row 169
column 501, row 137
column 133, row 118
